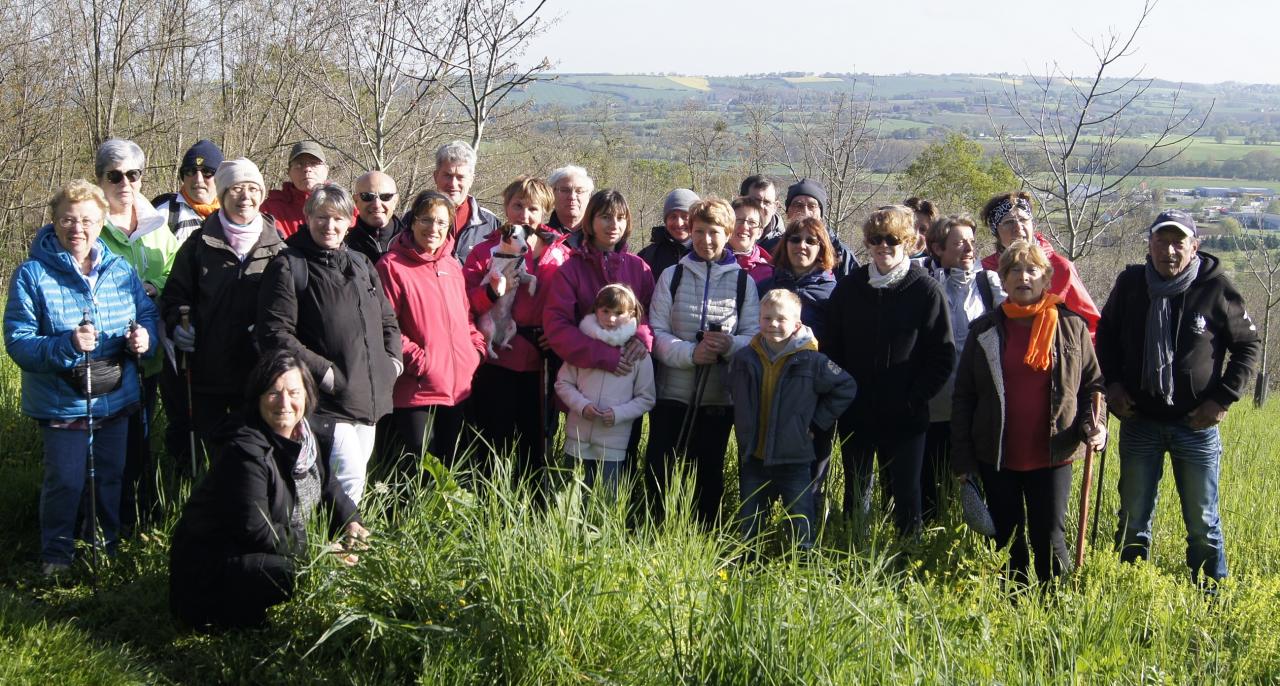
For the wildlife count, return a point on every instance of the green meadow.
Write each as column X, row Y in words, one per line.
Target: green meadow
column 479, row 585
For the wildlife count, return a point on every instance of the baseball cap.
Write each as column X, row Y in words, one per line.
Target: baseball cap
column 1177, row 219
column 311, row 148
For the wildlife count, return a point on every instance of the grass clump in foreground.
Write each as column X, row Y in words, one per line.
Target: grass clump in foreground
column 485, row 587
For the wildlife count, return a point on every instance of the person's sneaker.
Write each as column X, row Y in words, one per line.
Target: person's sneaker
column 54, row 568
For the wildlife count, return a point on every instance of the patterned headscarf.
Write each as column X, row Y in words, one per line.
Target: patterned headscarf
column 999, row 212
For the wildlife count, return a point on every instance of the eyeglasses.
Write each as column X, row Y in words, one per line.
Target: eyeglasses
column 71, row 222
column 206, row 172
column 116, row 176
column 807, row 240
column 566, row 190
column 749, row 223
column 367, row 196
column 427, row 220
column 891, row 241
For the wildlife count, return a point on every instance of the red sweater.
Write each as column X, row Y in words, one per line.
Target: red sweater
column 442, row 347
column 1026, row 424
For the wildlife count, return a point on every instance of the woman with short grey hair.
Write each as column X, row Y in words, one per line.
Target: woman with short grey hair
column 315, row 282
column 134, row 230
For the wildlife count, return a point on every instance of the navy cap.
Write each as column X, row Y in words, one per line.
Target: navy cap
column 1176, row 219
column 204, row 154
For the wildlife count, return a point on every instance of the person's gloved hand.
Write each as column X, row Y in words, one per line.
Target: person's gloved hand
column 184, row 338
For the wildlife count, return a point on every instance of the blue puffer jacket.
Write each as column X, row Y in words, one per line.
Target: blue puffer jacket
column 47, row 301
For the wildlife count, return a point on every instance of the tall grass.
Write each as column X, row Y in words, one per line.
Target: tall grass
column 480, row 585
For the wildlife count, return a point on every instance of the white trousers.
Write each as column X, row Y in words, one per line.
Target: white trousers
column 352, row 447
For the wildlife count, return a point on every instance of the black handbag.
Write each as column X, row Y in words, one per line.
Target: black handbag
column 107, row 375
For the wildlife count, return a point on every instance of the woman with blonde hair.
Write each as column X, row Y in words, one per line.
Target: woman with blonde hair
column 888, row 327
column 1022, row 411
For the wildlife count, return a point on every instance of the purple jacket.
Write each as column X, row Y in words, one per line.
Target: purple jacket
column 573, row 292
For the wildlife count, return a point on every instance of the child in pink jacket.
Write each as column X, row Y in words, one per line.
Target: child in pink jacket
column 603, row 405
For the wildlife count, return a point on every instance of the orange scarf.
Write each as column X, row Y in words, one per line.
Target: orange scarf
column 1043, row 329
column 203, row 210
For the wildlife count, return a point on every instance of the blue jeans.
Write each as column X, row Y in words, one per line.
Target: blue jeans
column 66, row 469
column 759, row 484
column 602, row 476
column 1195, row 456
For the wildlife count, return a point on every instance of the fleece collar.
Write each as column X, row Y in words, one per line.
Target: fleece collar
column 616, row 337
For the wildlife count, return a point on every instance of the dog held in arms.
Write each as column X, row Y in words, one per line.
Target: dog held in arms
column 497, row 324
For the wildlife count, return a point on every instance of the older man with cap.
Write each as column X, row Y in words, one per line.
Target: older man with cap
column 216, row 275
column 1177, row 349
column 807, row 198
column 376, row 224
column 670, row 240
column 765, row 191
column 308, row 170
column 454, row 174
column 197, row 197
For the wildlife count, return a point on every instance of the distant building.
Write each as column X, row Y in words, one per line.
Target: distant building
column 1212, row 192
column 1234, row 192
column 1257, row 220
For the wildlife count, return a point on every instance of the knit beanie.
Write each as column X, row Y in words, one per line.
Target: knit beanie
column 811, row 188
column 205, row 153
column 232, row 172
column 679, row 199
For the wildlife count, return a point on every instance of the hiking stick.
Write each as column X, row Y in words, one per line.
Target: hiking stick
column 1083, row 525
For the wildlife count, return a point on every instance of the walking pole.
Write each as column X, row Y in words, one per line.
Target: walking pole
column 93, row 476
column 545, row 409
column 1097, row 503
column 691, row 412
column 1095, row 409
column 146, row 425
column 185, row 312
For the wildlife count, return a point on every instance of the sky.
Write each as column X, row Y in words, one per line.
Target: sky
column 1199, row 42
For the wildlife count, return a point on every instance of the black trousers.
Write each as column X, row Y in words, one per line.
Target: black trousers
column 935, row 470
column 900, row 458
column 705, row 459
column 435, row 429
column 139, row 502
column 1030, row 506
column 177, row 431
column 506, row 411
column 231, row 593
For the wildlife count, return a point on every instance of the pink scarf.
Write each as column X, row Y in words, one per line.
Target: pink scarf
column 241, row 237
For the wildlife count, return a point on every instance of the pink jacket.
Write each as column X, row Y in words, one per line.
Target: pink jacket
column 523, row 356
column 1066, row 284
column 442, row 347
column 757, row 263
column 574, row 292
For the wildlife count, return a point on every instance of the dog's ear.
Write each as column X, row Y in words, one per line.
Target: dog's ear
column 506, row 230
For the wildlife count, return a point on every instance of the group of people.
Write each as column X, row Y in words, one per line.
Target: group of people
column 299, row 331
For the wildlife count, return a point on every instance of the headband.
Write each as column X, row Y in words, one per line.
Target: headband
column 999, row 212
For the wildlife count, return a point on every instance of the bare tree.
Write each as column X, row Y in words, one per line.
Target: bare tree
column 702, row 141
column 836, row 145
column 1077, row 159
column 1262, row 269
column 757, row 147
column 491, row 36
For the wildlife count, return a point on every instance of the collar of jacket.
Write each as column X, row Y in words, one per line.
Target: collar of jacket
column 302, row 240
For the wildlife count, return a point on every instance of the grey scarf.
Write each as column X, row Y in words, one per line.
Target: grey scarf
column 1157, row 353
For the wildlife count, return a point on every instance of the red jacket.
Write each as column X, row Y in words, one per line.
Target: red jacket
column 523, row 356
column 574, row 292
column 285, row 205
column 1066, row 284
column 442, row 347
column 756, row 263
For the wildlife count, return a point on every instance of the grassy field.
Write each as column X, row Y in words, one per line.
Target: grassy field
column 463, row 588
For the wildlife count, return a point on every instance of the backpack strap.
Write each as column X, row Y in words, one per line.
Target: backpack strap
column 675, row 280
column 984, row 291
column 741, row 295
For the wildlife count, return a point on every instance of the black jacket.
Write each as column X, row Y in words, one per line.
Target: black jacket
column 243, row 506
column 897, row 344
column 340, row 319
column 663, row 251
column 1209, row 322
column 370, row 242
column 222, row 292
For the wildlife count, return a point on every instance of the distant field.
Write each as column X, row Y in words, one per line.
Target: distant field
column 810, row 79
column 695, row 82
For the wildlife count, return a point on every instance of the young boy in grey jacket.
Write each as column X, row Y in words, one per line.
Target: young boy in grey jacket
column 782, row 389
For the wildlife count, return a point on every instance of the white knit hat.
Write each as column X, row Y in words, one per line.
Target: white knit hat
column 232, row 172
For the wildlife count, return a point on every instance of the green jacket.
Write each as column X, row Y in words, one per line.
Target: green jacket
column 150, row 250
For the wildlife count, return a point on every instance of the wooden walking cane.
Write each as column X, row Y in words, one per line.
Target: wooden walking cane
column 1095, row 412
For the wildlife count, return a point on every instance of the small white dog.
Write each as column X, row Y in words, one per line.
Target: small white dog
column 497, row 325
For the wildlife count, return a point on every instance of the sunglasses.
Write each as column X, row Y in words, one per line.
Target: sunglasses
column 206, row 172
column 807, row 240
column 891, row 241
column 116, row 176
column 367, row 196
